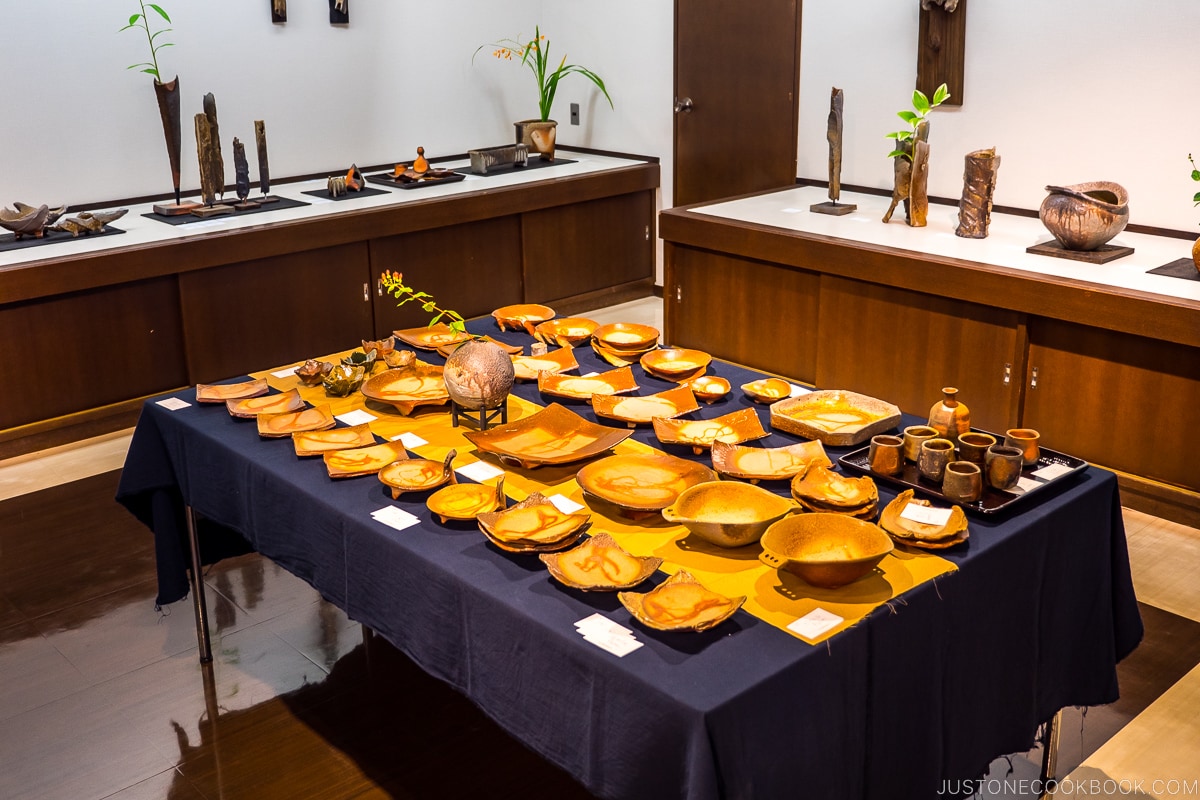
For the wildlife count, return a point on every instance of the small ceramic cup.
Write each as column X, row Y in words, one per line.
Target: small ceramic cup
column 886, row 455
column 963, row 482
column 1027, row 440
column 1003, row 466
column 935, row 455
column 913, row 436
column 973, row 446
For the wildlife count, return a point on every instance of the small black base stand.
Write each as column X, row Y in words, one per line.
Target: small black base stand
column 1181, row 268
column 483, row 417
column 1101, row 255
column 830, row 207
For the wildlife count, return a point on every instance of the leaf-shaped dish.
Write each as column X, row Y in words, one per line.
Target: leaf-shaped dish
column 626, row 336
column 417, row 474
column 920, row 534
column 220, row 392
column 615, row 381
column 522, row 315
column 634, row 410
column 680, row 603
column 736, row 427
column 709, row 388
column 600, row 565
column 405, row 388
column 767, row 463
column 431, row 337
column 532, row 525
column 554, row 435
column 675, row 363
column 641, row 482
column 266, row 404
column 836, row 417
column 277, row 426
column 362, row 460
column 464, row 501
column 767, row 390
column 527, row 368
column 565, row 330
column 315, row 443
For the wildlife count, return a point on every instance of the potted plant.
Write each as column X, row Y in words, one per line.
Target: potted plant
column 539, row 134
column 910, row 157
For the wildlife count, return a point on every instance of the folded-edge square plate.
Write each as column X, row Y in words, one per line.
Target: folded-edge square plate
column 554, row 435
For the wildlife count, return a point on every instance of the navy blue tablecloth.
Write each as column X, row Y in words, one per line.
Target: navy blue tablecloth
column 931, row 686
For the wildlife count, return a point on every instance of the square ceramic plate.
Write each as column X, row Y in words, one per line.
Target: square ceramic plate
column 575, row 387
column 277, row 426
column 641, row 410
column 554, row 435
column 315, row 443
column 733, row 428
column 834, row 417
column 220, row 392
column 527, row 368
column 431, row 337
column 266, row 404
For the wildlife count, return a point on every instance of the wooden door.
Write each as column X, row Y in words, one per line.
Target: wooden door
column 737, row 74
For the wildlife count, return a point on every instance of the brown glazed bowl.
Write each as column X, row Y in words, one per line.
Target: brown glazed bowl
column 825, row 550
column 1085, row 215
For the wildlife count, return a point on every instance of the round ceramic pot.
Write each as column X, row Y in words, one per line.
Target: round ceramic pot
column 478, row 374
column 1085, row 215
column 1196, row 254
column 538, row 135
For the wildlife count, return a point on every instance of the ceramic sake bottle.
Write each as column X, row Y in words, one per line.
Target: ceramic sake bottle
column 949, row 417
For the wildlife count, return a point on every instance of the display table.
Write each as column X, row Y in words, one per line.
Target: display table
column 931, row 685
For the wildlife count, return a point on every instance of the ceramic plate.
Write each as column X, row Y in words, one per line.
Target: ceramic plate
column 599, row 565
column 524, row 315
column 266, row 404
column 680, row 603
column 565, row 330
column 734, row 428
column 767, row 390
column 767, row 463
column 626, row 336
column 675, row 363
column 277, row 426
column 533, row 525
column 405, row 388
column 554, row 435
column 634, row 410
column 220, row 392
column 464, row 501
column 315, row 443
column 512, row 349
column 431, row 337
column 830, row 491
column 835, row 417
column 417, row 474
column 526, row 368
column 641, row 481
column 618, row 358
column 362, row 460
column 615, row 381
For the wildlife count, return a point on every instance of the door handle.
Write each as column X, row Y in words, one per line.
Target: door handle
column 684, row 106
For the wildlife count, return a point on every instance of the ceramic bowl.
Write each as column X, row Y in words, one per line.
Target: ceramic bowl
column 825, row 550
column 728, row 513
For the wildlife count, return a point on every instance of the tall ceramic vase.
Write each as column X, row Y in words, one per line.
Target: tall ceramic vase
column 538, row 135
column 168, row 108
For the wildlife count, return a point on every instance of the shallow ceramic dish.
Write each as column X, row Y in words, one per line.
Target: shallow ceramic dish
column 277, row 426
column 626, row 336
column 406, row 388
column 417, row 474
column 343, row 380
column 728, row 513
column 615, row 381
column 431, row 337
column 315, row 443
column 358, row 461
column 641, row 410
column 835, row 417
column 527, row 368
column 554, row 435
column 523, row 315
column 675, row 363
column 826, row 490
column 565, row 330
column 921, row 534
column 733, row 428
column 767, row 390
column 767, row 463
column 381, row 346
column 709, row 388
column 825, row 550
column 533, row 525
column 447, row 350
column 312, row 372
column 220, row 392
column 265, row 404
column 600, row 565
column 641, row 482
column 680, row 603
column 466, row 501
column 618, row 358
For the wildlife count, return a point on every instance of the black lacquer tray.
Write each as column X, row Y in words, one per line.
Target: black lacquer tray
column 992, row 501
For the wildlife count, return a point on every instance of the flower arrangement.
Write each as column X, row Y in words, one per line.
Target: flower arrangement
column 922, row 105
column 393, row 282
column 142, row 21
column 535, row 54
column 1195, row 177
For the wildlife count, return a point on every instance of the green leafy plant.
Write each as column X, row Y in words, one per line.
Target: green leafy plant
column 1195, row 177
column 535, row 54
column 921, row 106
column 393, row 282
column 142, row 20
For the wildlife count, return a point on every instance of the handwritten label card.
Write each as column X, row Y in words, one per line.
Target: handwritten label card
column 815, row 623
column 479, row 471
column 173, row 403
column 1051, row 472
column 356, row 417
column 409, row 440
column 395, row 517
column 926, row 515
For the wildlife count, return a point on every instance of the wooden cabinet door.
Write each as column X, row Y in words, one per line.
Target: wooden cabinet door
column 472, row 268
column 1119, row 400
column 749, row 312
column 256, row 314
column 904, row 346
column 588, row 247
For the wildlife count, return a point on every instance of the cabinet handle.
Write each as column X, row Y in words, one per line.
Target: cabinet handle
column 647, row 233
column 1033, row 379
column 366, row 292
column 379, row 286
column 678, row 293
column 1007, row 374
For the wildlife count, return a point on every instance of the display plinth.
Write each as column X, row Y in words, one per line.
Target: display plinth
column 175, row 209
column 1101, row 255
column 830, row 207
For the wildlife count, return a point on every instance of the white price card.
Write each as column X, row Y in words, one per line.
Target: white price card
column 598, row 623
column 565, row 504
column 290, row 372
column 409, row 440
column 815, row 623
column 479, row 471
column 1051, row 472
column 394, row 517
column 356, row 417
column 1024, row 485
column 619, row 646
column 173, row 403
column 926, row 515
column 798, row 390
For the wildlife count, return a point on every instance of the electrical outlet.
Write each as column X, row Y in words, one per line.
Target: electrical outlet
column 574, row 113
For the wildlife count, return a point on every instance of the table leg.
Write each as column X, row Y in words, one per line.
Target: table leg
column 198, row 601
column 1050, row 755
